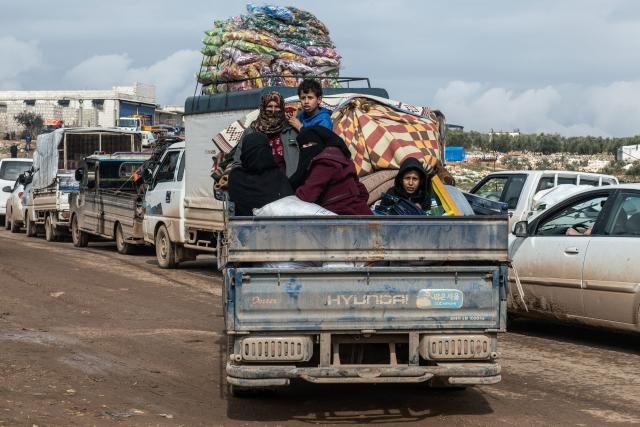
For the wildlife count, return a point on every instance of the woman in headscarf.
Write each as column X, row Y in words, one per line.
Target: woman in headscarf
column 258, row 181
column 413, row 184
column 326, row 174
column 273, row 123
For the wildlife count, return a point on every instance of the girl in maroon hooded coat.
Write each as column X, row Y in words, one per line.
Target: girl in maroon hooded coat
column 326, row 175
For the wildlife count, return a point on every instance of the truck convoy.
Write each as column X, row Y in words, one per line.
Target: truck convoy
column 57, row 156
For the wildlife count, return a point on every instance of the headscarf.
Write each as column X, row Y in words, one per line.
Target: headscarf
column 258, row 181
column 422, row 196
column 321, row 138
column 266, row 122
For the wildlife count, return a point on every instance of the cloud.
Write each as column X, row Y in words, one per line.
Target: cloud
column 173, row 76
column 605, row 110
column 18, row 57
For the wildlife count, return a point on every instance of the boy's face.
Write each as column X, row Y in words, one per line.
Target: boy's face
column 310, row 102
column 411, row 182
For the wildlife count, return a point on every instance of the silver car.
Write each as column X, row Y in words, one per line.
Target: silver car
column 580, row 260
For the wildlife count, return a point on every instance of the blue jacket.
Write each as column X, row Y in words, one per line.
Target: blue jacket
column 321, row 118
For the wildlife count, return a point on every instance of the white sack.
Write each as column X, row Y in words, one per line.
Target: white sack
column 291, row 206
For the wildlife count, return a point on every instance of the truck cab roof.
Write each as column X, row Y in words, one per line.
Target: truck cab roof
column 250, row 99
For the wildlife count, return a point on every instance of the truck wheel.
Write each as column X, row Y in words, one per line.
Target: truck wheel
column 443, row 384
column 165, row 249
column 7, row 223
column 248, row 393
column 15, row 226
column 32, row 229
column 122, row 246
column 49, row 230
column 80, row 238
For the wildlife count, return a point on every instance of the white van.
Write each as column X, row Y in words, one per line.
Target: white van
column 518, row 188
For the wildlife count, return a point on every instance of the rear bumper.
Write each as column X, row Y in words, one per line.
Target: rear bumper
column 453, row 373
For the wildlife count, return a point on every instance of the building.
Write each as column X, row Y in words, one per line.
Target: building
column 172, row 115
column 515, row 132
column 86, row 108
column 628, row 153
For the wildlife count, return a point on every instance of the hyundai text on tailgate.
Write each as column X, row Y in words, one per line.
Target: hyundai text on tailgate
column 394, row 299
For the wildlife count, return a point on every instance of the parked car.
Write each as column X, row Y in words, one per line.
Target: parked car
column 518, row 188
column 15, row 208
column 9, row 171
column 580, row 260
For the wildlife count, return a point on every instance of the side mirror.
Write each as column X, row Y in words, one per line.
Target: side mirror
column 520, row 229
column 79, row 174
column 7, row 189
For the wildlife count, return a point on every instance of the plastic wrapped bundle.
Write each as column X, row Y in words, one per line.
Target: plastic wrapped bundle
column 278, row 12
column 270, row 45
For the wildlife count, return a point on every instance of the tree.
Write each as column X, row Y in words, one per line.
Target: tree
column 31, row 121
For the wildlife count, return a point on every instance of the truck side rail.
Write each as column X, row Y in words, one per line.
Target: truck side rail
column 365, row 239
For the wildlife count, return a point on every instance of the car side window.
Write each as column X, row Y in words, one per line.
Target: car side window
column 492, row 189
column 181, row 167
column 566, row 180
column 167, row 170
column 625, row 216
column 580, row 216
column 545, row 183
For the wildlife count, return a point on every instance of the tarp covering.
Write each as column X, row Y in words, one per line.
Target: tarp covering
column 380, row 133
column 454, row 154
column 45, row 159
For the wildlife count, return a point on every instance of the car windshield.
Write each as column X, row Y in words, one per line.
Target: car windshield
column 9, row 170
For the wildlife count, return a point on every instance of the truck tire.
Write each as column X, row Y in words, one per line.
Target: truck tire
column 15, row 227
column 123, row 247
column 7, row 223
column 32, row 229
column 165, row 248
column 80, row 238
column 49, row 230
column 248, row 393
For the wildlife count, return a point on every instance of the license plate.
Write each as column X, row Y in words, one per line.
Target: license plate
column 439, row 298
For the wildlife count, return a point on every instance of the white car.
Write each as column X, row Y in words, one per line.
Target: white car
column 519, row 188
column 15, row 208
column 9, row 171
column 580, row 260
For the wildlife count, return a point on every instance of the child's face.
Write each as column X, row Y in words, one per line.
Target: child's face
column 411, row 182
column 310, row 102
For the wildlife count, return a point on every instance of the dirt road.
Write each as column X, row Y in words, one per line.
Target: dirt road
column 90, row 337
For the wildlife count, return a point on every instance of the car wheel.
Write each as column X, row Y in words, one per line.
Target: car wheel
column 165, row 248
column 122, row 246
column 49, row 230
column 79, row 238
column 32, row 230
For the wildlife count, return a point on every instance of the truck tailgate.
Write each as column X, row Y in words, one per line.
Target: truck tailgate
column 394, row 238
column 357, row 299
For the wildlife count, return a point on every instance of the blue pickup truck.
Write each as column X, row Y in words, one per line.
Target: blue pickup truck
column 364, row 299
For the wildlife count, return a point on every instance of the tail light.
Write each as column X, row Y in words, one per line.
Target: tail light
column 20, row 194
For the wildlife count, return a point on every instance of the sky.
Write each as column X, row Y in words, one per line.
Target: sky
column 570, row 67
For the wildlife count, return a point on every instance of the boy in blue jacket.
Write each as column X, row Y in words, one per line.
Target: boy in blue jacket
column 310, row 94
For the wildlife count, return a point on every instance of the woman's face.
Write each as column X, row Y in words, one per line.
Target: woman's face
column 411, row 182
column 273, row 108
